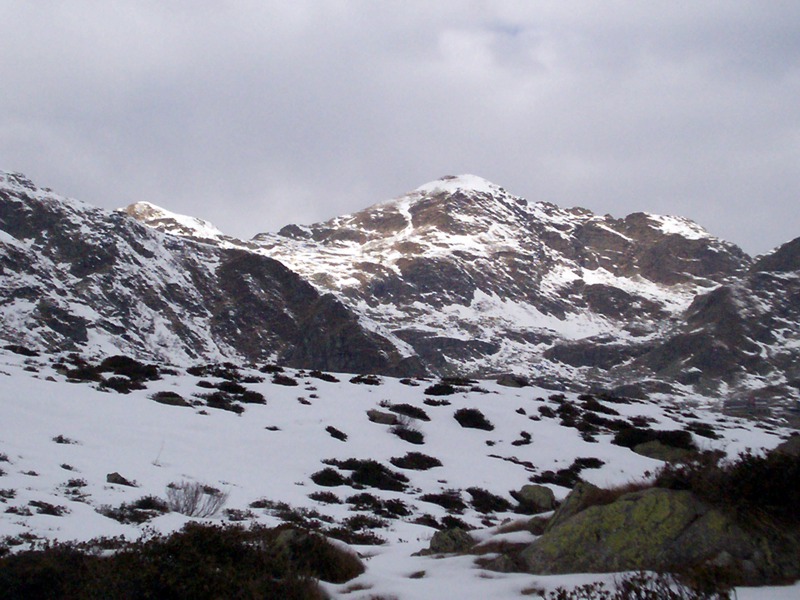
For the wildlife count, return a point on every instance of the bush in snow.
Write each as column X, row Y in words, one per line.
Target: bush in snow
column 472, row 418
column 195, row 499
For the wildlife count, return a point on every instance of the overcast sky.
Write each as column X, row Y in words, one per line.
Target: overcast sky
column 255, row 114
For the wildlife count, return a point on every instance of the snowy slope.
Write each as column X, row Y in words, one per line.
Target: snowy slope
column 68, row 436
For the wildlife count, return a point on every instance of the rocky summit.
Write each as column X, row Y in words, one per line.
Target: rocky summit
column 458, row 277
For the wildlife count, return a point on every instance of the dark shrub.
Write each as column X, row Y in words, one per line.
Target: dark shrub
column 409, row 382
column 588, row 463
column 440, row 389
column 590, row 403
column 416, row 461
column 169, row 398
column 252, row 397
column 349, row 536
column 640, row 586
column 129, row 367
column 432, row 402
column 84, row 374
column 449, row 500
column 633, row 436
column 61, row 439
column 458, row 381
column 485, row 502
column 407, row 432
column 327, row 477
column 703, row 429
column 200, row 561
column 367, row 379
column 472, row 418
column 280, row 379
column 271, row 369
column 323, row 376
column 335, row 433
column 325, row 497
column 222, row 401
column 45, row 508
column 361, row 522
column 121, row 385
column 546, row 411
column 373, row 474
column 409, row 411
column 137, row 512
column 752, row 486
column 231, row 387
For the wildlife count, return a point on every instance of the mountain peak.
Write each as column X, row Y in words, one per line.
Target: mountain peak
column 170, row 222
column 466, row 182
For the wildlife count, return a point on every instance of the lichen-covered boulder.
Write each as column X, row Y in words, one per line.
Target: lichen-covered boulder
column 448, row 541
column 577, row 500
column 534, row 499
column 662, row 530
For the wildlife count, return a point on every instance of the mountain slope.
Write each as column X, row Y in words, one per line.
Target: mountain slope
column 476, row 280
column 76, row 277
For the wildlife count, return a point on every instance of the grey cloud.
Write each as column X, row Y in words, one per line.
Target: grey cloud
column 256, row 114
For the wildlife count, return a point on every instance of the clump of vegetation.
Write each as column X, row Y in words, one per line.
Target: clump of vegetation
column 449, row 499
column 325, row 497
column 336, row 433
column 169, row 398
column 434, row 402
column 137, row 512
column 406, row 409
column 392, row 508
column 367, row 473
column 367, row 380
column 569, row 476
column 328, row 477
column 703, row 430
column 62, row 439
column 195, row 499
column 45, row 508
column 631, row 437
column 222, row 401
column 472, row 418
column 486, row 502
column 280, row 379
column 750, row 486
column 405, row 430
column 416, row 461
column 440, row 389
column 131, row 368
column 323, row 376
column 200, row 561
column 640, row 586
column 225, row 370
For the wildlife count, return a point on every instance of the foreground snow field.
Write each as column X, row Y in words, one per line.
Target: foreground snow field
column 60, row 439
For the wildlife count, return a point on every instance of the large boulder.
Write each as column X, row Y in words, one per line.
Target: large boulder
column 534, row 499
column 448, row 541
column 663, row 530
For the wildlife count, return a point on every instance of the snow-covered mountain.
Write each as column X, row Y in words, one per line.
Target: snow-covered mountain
column 456, row 277
column 74, row 277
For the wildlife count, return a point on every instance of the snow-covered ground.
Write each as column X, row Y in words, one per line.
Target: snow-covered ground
column 59, row 440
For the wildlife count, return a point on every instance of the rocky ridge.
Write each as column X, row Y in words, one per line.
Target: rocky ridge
column 74, row 277
column 461, row 277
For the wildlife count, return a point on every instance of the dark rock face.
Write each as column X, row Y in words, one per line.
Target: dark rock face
column 74, row 276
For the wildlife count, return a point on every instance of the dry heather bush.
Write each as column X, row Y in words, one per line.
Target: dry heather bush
column 195, row 499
